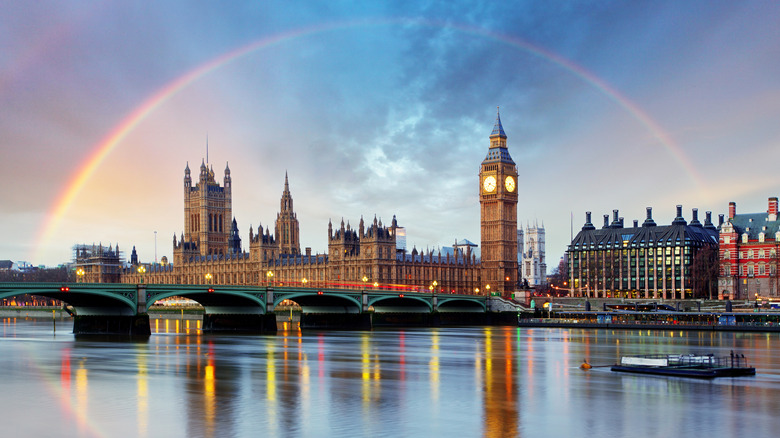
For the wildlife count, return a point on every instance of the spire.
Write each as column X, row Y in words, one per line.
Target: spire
column 286, row 184
column 498, row 130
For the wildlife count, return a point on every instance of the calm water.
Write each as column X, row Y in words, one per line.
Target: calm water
column 449, row 382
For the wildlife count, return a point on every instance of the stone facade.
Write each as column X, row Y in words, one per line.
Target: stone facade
column 498, row 207
column 208, row 251
column 531, row 254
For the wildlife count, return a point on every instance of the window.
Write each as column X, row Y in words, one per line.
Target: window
column 727, row 271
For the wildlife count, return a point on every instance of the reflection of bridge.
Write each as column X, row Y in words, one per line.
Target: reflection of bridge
column 122, row 308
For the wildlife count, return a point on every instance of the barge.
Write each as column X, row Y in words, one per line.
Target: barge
column 686, row 365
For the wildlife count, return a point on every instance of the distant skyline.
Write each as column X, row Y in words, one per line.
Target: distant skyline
column 379, row 109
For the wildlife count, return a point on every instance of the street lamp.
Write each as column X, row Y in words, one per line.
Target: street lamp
column 435, row 283
column 487, row 289
column 208, row 278
column 269, row 276
column 376, row 284
column 142, row 271
column 80, row 275
column 304, row 281
column 476, row 291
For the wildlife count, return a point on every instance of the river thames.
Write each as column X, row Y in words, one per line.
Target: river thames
column 450, row 382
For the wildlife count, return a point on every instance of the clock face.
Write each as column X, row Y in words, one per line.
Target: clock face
column 489, row 184
column 509, row 183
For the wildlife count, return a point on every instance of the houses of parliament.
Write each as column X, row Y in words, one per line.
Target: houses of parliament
column 210, row 251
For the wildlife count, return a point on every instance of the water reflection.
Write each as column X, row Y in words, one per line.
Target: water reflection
column 492, row 382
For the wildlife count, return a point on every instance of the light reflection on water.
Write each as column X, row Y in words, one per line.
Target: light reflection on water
column 484, row 381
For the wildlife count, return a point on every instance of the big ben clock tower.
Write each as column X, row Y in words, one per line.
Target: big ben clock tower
column 498, row 205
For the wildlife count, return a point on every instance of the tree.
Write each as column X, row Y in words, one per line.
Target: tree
column 706, row 264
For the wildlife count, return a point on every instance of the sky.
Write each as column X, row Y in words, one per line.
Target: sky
column 378, row 109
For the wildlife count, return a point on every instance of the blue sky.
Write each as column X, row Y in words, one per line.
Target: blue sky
column 383, row 109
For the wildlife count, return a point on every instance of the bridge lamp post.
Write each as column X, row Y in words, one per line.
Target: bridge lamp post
column 142, row 271
column 209, row 277
column 476, row 291
column 304, row 281
column 487, row 289
column 80, row 275
column 269, row 276
column 376, row 284
column 435, row 283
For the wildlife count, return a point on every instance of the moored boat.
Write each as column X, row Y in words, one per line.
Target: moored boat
column 687, row 365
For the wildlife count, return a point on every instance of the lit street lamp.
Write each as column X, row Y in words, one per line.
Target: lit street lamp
column 209, row 277
column 80, row 275
column 269, row 276
column 142, row 271
column 304, row 281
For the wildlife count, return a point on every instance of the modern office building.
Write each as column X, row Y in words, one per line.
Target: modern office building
column 647, row 261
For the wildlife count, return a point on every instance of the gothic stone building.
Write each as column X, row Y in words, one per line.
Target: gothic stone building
column 209, row 250
column 646, row 261
column 531, row 254
column 749, row 248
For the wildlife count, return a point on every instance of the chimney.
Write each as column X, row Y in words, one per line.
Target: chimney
column 615, row 219
column 720, row 220
column 649, row 222
column 588, row 225
column 308, row 251
column 732, row 210
column 695, row 221
column 708, row 221
column 772, row 209
column 679, row 220
column 636, row 223
column 606, row 221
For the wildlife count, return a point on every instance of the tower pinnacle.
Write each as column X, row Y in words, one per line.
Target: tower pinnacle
column 498, row 130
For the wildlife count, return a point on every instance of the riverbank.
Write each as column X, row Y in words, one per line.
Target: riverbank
column 640, row 325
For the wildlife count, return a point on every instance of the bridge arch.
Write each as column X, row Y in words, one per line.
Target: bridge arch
column 327, row 302
column 86, row 298
column 461, row 304
column 216, row 299
column 401, row 303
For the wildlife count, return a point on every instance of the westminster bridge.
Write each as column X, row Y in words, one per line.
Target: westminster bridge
column 116, row 308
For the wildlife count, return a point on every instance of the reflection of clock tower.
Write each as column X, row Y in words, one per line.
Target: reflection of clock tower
column 498, row 204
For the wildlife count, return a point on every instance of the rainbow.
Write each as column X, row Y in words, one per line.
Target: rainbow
column 148, row 106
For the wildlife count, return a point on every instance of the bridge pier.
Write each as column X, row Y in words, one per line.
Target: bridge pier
column 239, row 322
column 127, row 325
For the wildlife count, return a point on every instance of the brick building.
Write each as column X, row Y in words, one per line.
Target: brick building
column 749, row 248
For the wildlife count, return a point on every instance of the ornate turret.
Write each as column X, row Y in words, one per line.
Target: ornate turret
column 287, row 227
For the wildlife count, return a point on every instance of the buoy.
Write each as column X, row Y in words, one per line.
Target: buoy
column 585, row 365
